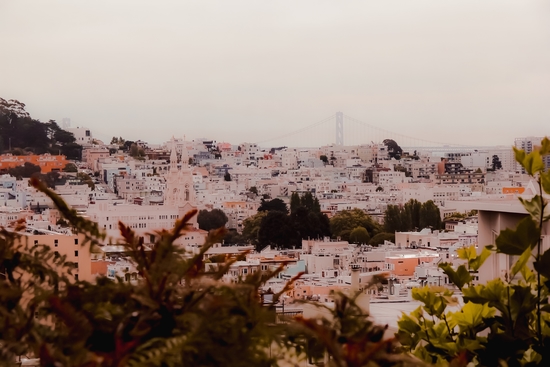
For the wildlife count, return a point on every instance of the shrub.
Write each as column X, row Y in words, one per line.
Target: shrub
column 505, row 322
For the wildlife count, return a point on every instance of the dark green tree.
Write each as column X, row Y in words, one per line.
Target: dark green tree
column 393, row 219
column 70, row 167
column 26, row 170
column 394, row 150
column 412, row 210
column 227, row 176
column 232, row 237
column 213, row 219
column 278, row 231
column 359, row 235
column 379, row 238
column 346, row 221
column 251, row 227
column 430, row 216
column 273, row 205
column 295, row 202
column 496, row 163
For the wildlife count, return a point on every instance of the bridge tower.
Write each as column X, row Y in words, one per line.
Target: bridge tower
column 339, row 128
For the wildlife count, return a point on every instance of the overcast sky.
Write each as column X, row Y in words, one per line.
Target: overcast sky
column 469, row 72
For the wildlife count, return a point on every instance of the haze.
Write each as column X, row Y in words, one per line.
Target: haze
column 464, row 72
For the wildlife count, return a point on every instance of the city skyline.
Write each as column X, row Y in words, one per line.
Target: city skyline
column 468, row 73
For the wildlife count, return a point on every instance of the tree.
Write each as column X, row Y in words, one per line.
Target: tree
column 278, row 231
column 70, row 167
column 227, row 176
column 379, row 238
column 253, row 190
column 273, row 205
column 251, row 227
column 359, row 235
column 496, row 163
column 213, row 219
column 394, row 150
column 324, row 158
column 412, row 216
column 412, row 210
column 233, row 237
column 430, row 216
column 346, row 221
column 134, row 150
column 85, row 178
column 26, row 170
column 295, row 202
column 393, row 219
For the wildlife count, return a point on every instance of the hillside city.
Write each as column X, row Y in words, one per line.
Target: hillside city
column 340, row 214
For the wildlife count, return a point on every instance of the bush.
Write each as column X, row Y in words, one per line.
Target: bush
column 505, row 322
column 179, row 313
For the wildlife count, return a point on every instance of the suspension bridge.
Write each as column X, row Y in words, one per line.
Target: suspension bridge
column 340, row 129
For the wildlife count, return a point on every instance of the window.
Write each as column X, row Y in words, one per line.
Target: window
column 76, row 241
column 76, row 277
column 76, row 253
column 76, row 265
column 55, row 243
column 36, row 242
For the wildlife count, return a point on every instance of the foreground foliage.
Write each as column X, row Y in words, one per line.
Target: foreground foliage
column 179, row 313
column 505, row 322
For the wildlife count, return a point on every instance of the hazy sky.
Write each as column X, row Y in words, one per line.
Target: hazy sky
column 470, row 72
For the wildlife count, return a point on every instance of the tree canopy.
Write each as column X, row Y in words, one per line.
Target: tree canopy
column 359, row 235
column 412, row 216
column 394, row 150
column 213, row 219
column 344, row 222
column 19, row 130
column 273, row 205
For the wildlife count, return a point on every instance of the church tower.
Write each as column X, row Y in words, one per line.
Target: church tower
column 179, row 182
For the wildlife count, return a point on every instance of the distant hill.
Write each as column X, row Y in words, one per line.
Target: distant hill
column 21, row 134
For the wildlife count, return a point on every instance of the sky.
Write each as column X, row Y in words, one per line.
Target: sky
column 462, row 72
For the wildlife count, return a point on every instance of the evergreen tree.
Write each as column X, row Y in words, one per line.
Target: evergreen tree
column 430, row 216
column 393, row 219
column 295, row 202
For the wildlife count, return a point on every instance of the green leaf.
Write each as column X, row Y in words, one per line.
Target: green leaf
column 491, row 292
column 542, row 265
column 408, row 324
column 520, row 155
column 476, row 262
column 515, row 242
column 460, row 277
column 467, row 253
column 435, row 299
column 521, row 263
column 533, row 207
column 533, row 163
column 472, row 314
